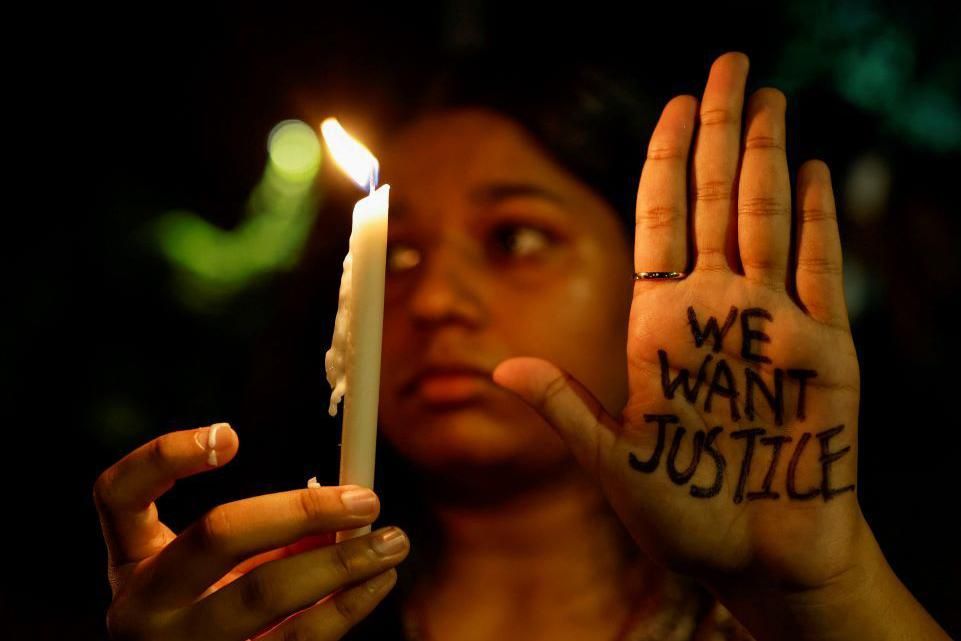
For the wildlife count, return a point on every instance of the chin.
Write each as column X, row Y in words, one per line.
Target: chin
column 467, row 444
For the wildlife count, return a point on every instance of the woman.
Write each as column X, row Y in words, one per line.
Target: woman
column 731, row 459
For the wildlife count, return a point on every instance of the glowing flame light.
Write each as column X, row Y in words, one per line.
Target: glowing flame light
column 353, row 157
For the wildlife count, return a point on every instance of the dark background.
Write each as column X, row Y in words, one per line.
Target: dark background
column 123, row 115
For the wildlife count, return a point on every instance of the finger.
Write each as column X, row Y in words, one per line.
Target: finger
column 660, row 237
column 304, row 544
column 577, row 416
column 230, row 533
column 278, row 589
column 301, row 545
column 333, row 617
column 819, row 282
column 764, row 192
column 125, row 493
column 717, row 146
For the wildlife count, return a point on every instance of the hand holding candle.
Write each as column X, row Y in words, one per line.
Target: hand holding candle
column 353, row 361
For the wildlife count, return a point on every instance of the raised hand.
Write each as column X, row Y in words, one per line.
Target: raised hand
column 735, row 457
column 245, row 567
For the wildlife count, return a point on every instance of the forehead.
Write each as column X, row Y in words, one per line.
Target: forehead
column 448, row 154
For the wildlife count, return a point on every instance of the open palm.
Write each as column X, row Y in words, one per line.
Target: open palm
column 735, row 457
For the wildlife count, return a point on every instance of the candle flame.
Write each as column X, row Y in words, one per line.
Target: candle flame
column 353, row 157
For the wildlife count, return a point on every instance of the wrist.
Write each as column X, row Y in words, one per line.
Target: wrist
column 864, row 601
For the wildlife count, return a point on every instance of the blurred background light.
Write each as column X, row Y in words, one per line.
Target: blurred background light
column 867, row 188
column 213, row 264
column 294, row 150
column 876, row 58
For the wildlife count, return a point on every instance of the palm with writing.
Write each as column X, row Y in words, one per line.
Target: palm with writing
column 735, row 457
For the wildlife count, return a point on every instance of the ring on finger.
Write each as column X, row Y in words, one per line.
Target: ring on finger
column 659, row 275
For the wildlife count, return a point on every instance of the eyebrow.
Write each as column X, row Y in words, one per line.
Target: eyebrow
column 493, row 193
column 496, row 192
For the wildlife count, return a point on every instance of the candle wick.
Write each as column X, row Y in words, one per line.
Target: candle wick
column 373, row 182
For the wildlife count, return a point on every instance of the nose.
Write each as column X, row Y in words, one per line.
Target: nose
column 448, row 289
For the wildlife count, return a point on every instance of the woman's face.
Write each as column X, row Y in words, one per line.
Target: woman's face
column 495, row 251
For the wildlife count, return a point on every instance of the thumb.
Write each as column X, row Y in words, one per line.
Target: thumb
column 574, row 413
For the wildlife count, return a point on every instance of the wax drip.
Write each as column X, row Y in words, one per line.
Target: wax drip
column 335, row 361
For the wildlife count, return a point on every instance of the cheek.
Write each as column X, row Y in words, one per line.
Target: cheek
column 580, row 323
column 396, row 342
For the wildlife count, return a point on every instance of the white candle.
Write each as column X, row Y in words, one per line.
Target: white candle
column 353, row 361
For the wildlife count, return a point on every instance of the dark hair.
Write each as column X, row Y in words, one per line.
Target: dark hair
column 592, row 119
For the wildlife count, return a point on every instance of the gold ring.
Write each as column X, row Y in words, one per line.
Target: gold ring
column 659, row 275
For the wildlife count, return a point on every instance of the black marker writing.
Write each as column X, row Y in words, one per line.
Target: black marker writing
column 775, row 400
column 711, row 328
column 681, row 478
column 801, row 376
column 766, row 384
column 792, row 472
column 650, row 464
column 682, row 379
column 703, row 446
column 766, row 493
column 748, row 334
column 827, row 458
column 719, row 462
column 727, row 390
column 750, row 435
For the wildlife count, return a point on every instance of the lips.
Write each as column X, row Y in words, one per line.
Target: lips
column 448, row 384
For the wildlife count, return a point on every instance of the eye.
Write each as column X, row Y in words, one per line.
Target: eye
column 401, row 257
column 520, row 241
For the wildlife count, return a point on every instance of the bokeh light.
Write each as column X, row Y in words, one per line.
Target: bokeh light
column 294, row 150
column 212, row 264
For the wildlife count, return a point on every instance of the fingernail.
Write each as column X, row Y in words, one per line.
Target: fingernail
column 359, row 501
column 389, row 541
column 212, row 442
column 381, row 581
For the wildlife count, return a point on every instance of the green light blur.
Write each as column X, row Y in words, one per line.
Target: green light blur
column 869, row 57
column 294, row 150
column 212, row 264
